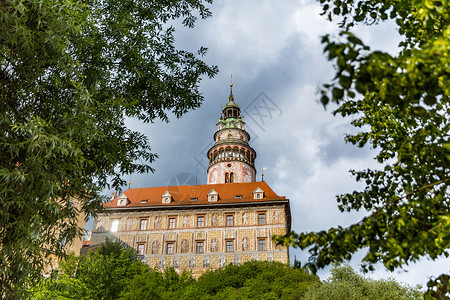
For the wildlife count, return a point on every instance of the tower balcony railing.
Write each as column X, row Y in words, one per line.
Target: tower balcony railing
column 232, row 158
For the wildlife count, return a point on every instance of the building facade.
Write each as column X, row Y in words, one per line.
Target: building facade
column 199, row 227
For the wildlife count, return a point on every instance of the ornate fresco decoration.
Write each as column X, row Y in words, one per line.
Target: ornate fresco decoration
column 213, row 245
column 155, row 247
column 276, row 217
column 184, row 246
column 244, row 218
column 186, row 221
column 157, row 222
column 129, row 224
column 192, row 262
column 245, row 243
column 214, row 219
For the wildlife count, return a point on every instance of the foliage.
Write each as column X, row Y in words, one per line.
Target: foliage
column 121, row 276
column 153, row 284
column 112, row 272
column 99, row 275
column 62, row 285
column 106, row 275
column 252, row 280
column 70, row 73
column 345, row 284
column 400, row 103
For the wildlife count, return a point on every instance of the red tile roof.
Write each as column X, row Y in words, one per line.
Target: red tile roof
column 181, row 195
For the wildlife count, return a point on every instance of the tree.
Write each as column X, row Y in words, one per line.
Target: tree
column 99, row 275
column 153, row 284
column 71, row 72
column 119, row 275
column 62, row 284
column 345, row 284
column 252, row 280
column 400, row 103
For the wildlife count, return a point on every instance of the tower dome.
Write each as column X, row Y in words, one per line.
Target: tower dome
column 231, row 159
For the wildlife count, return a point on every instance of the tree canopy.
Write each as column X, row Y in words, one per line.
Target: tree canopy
column 71, row 72
column 345, row 284
column 114, row 272
column 400, row 103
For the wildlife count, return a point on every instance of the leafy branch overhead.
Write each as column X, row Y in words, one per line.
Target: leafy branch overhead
column 70, row 73
column 400, row 103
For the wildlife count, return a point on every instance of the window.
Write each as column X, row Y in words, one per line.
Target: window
column 262, row 218
column 238, row 197
column 166, row 197
column 169, row 248
column 213, row 196
column 114, row 225
column 258, row 193
column 144, row 201
column 142, row 224
column 200, row 221
column 231, row 177
column 262, row 244
column 230, row 246
column 194, row 199
column 171, row 222
column 122, row 200
column 140, row 249
column 230, row 220
column 199, row 248
column 227, row 178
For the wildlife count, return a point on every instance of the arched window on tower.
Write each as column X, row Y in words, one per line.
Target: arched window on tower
column 231, row 177
column 227, row 177
column 229, row 152
column 235, row 152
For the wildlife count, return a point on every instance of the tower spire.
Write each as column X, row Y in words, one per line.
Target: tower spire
column 231, row 98
column 231, row 159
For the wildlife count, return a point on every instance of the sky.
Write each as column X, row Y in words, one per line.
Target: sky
column 272, row 50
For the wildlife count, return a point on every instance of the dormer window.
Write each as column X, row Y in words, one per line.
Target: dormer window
column 122, row 200
column 258, row 194
column 213, row 196
column 166, row 197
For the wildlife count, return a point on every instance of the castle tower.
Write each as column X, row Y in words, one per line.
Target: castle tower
column 231, row 159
